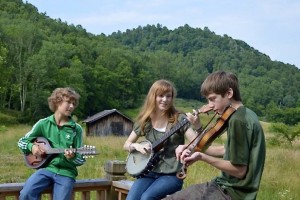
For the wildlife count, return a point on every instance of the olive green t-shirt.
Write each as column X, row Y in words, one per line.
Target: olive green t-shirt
column 245, row 146
column 168, row 163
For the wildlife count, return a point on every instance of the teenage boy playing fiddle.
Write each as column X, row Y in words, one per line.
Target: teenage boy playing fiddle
column 241, row 160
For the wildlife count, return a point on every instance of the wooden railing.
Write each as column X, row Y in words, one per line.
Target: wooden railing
column 113, row 187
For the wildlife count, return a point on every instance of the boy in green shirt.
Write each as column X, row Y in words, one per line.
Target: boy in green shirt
column 61, row 131
column 241, row 160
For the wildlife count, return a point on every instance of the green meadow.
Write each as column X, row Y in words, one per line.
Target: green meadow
column 280, row 179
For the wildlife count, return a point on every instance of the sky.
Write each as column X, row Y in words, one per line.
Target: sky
column 270, row 26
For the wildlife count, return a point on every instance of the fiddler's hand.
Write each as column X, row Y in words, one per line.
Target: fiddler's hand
column 194, row 119
column 188, row 159
column 69, row 153
column 179, row 150
column 143, row 148
column 185, row 153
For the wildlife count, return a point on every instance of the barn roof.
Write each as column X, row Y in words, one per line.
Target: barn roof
column 102, row 114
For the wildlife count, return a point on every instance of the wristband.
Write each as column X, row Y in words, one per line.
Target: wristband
column 129, row 147
column 199, row 130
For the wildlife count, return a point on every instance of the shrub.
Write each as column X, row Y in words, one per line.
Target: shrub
column 8, row 119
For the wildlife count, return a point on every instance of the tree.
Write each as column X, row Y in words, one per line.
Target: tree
column 285, row 133
column 4, row 78
column 21, row 38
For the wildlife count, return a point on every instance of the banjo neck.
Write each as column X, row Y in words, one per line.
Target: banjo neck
column 138, row 164
column 158, row 144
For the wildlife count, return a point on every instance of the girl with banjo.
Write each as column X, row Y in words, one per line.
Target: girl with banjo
column 155, row 120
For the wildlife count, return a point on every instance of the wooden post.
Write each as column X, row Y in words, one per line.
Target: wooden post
column 115, row 170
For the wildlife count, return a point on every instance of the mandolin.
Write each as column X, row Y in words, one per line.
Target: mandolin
column 37, row 162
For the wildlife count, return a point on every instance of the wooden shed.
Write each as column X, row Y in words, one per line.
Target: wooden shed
column 108, row 122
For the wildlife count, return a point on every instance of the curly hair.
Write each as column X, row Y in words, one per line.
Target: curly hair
column 61, row 94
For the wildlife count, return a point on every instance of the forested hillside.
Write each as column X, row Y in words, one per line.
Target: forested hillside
column 38, row 54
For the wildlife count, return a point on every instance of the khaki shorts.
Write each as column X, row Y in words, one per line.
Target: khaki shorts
column 204, row 191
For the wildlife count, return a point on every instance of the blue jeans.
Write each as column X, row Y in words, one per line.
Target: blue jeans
column 154, row 186
column 43, row 179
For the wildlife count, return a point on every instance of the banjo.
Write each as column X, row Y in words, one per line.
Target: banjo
column 138, row 164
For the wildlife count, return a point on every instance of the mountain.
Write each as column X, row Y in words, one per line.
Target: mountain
column 38, row 54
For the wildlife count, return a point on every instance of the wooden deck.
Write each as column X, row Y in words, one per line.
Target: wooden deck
column 86, row 189
column 112, row 187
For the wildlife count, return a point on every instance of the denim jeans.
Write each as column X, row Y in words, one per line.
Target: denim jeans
column 154, row 186
column 43, row 179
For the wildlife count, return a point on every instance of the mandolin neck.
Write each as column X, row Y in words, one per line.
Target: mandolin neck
column 55, row 151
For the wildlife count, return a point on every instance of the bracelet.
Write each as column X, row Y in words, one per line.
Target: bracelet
column 199, row 130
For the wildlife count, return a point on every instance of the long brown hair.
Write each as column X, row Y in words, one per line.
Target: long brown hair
column 158, row 88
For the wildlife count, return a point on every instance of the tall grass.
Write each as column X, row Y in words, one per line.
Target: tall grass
column 280, row 178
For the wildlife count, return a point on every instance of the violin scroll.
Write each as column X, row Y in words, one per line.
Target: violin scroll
column 182, row 173
column 204, row 109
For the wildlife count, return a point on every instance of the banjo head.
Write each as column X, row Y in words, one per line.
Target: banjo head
column 137, row 162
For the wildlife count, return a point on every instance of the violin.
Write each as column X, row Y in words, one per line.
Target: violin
column 204, row 139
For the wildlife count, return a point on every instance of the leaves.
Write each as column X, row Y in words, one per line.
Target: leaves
column 286, row 133
column 38, row 54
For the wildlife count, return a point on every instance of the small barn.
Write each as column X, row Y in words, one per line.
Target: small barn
column 108, row 122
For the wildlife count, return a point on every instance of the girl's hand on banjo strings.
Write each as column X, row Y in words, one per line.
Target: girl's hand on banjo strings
column 143, row 148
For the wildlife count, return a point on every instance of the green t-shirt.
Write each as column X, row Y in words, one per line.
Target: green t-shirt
column 168, row 163
column 245, row 146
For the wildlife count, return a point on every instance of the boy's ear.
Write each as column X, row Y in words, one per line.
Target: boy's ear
column 230, row 93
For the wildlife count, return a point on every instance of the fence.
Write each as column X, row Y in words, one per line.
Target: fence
column 113, row 187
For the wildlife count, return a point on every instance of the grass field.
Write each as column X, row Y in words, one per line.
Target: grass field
column 280, row 179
